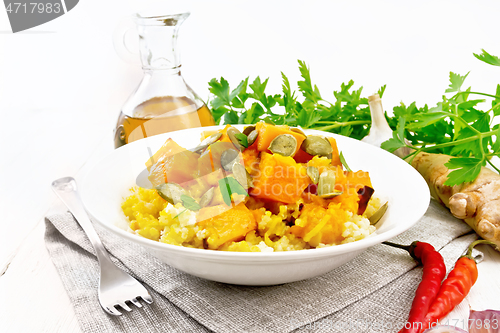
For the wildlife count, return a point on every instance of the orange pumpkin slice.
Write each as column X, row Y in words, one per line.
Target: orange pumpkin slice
column 172, row 164
column 230, row 225
column 279, row 178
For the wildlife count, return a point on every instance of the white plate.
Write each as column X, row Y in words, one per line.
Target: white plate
column 105, row 187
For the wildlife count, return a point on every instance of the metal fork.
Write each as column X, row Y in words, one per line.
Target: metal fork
column 116, row 288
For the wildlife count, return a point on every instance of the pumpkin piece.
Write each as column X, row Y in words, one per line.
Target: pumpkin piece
column 340, row 174
column 224, row 137
column 268, row 132
column 174, row 165
column 358, row 180
column 208, row 212
column 257, row 214
column 349, row 201
column 319, row 225
column 279, row 178
column 213, row 178
column 170, row 147
column 314, row 199
column 335, row 152
column 251, row 159
column 322, row 163
column 205, row 165
column 228, row 226
column 209, row 161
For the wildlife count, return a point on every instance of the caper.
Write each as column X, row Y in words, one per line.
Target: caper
column 283, row 144
column 248, row 130
column 207, row 142
column 316, row 145
column 231, row 133
column 252, row 137
column 207, row 197
column 171, row 192
column 313, row 173
column 241, row 175
column 298, row 130
column 228, row 158
column 326, row 185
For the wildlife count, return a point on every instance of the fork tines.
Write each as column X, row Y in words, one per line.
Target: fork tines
column 112, row 309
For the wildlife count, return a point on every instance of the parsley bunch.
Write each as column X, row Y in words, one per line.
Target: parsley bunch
column 248, row 103
column 456, row 127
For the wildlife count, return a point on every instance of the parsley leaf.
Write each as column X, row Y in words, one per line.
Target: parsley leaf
column 258, row 88
column 228, row 186
column 189, row 203
column 242, row 138
column 238, row 90
column 456, row 82
column 344, row 163
column 392, row 144
column 218, row 113
column 221, row 91
column 425, row 119
column 398, row 138
column 252, row 116
column 488, row 58
column 310, row 93
column 231, row 117
column 466, row 170
column 288, row 95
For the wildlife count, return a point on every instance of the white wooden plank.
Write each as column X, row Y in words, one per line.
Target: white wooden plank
column 61, row 149
column 33, row 297
column 31, row 272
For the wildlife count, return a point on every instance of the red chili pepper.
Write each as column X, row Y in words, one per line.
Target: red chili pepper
column 454, row 289
column 434, row 271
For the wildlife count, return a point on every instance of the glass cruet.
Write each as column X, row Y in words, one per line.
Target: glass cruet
column 162, row 102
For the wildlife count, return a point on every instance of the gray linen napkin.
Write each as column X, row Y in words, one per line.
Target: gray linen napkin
column 371, row 293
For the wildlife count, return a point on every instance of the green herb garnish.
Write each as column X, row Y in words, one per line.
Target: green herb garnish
column 344, row 163
column 242, row 138
column 190, row 203
column 228, row 186
column 176, row 216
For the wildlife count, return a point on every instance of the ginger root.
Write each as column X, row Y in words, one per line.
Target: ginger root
column 477, row 202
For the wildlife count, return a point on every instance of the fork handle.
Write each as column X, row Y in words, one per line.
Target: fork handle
column 66, row 189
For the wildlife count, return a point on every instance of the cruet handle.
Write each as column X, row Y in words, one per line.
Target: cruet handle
column 126, row 41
